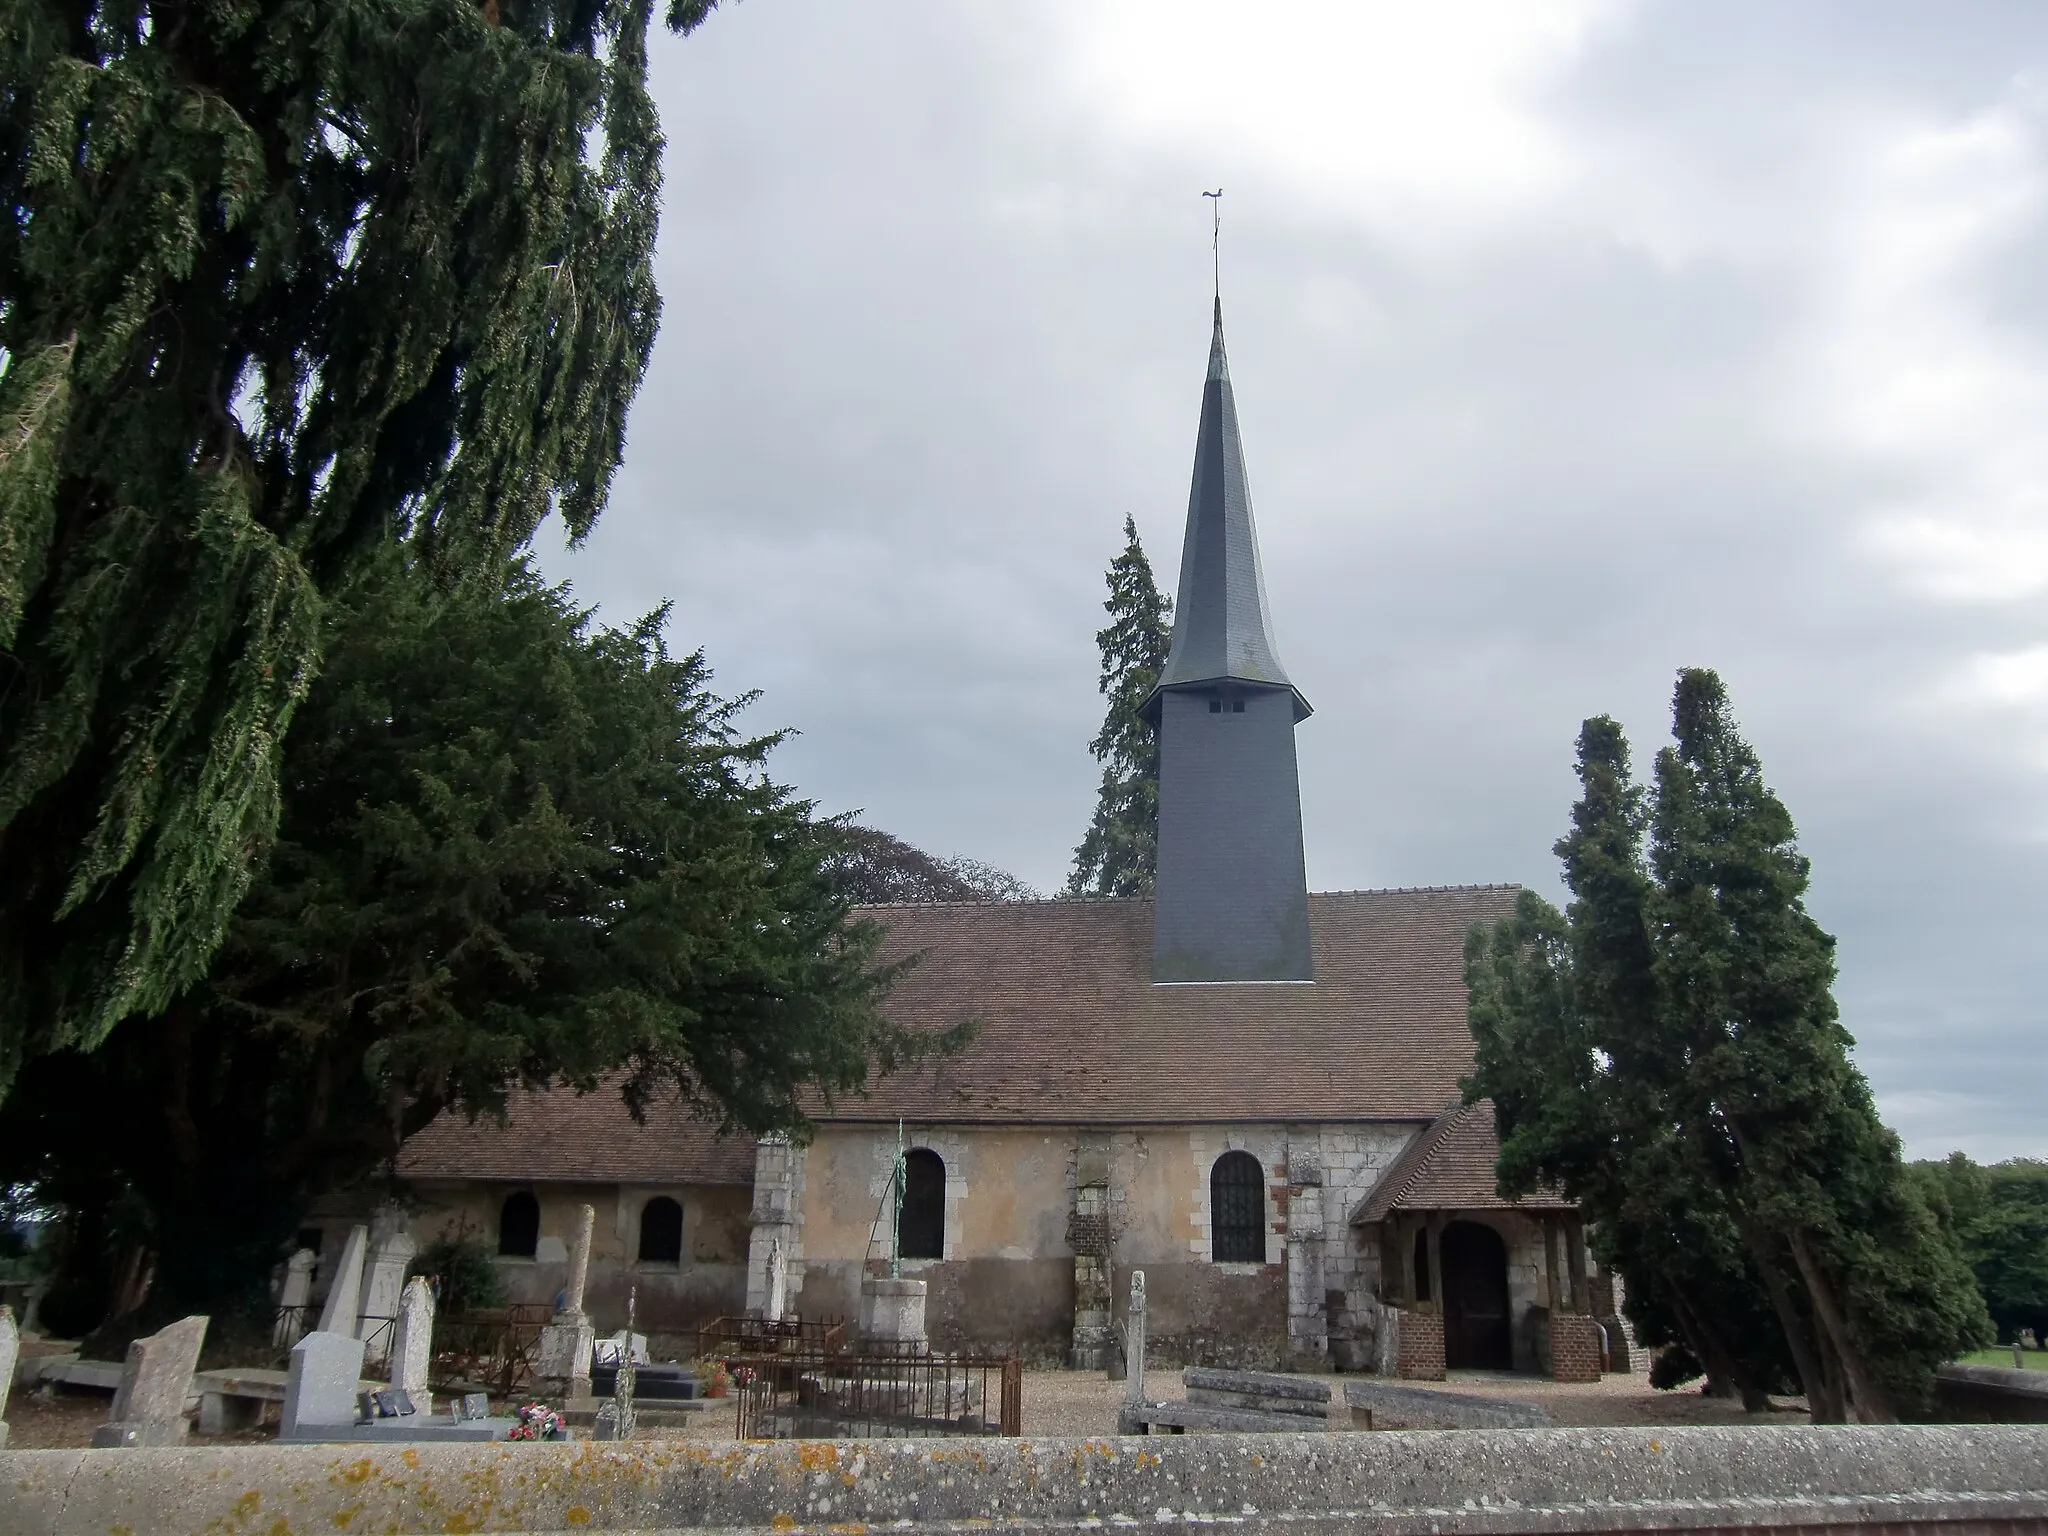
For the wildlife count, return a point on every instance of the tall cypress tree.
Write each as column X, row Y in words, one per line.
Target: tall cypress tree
column 1871, row 1293
column 280, row 280
column 1117, row 856
column 1670, row 1053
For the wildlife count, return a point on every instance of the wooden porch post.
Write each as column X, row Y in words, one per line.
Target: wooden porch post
column 1550, row 1267
column 1436, row 1261
column 1575, row 1256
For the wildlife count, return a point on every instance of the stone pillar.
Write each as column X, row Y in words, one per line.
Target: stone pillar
column 383, row 1284
column 579, row 1259
column 344, row 1307
column 412, row 1343
column 149, row 1405
column 10, row 1348
column 565, row 1344
column 777, row 1220
column 1308, row 1310
column 892, row 1313
column 1134, row 1341
column 1093, row 1342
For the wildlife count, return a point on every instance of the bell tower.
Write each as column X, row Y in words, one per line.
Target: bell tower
column 1231, row 889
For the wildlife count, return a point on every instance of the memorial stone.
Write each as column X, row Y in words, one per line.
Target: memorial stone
column 344, row 1307
column 10, row 1347
column 383, row 1284
column 565, row 1344
column 412, row 1343
column 1134, row 1341
column 320, row 1384
column 298, row 1295
column 156, row 1378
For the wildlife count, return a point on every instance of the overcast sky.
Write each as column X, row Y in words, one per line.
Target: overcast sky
column 1573, row 343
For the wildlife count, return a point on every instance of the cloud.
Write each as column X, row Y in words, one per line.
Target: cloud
column 1573, row 344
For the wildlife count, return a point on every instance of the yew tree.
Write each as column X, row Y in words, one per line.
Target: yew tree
column 280, row 281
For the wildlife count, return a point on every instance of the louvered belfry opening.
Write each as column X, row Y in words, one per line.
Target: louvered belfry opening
column 921, row 1229
column 1237, row 1210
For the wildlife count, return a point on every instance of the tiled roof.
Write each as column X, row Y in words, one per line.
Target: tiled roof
column 1450, row 1167
column 565, row 1137
column 1072, row 1030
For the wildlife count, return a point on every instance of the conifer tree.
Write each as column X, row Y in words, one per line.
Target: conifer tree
column 1871, row 1294
column 516, row 850
column 279, row 281
column 1119, row 853
column 1669, row 1052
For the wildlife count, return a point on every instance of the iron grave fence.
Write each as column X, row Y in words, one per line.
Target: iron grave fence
column 730, row 1338
column 872, row 1397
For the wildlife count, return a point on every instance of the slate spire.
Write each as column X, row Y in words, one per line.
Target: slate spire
column 1230, row 888
column 1221, row 630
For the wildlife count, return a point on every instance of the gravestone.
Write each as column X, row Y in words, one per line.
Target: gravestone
column 156, row 1378
column 10, row 1347
column 1134, row 1341
column 344, row 1307
column 383, row 1284
column 320, row 1385
column 412, row 1344
column 298, row 1293
column 615, row 1418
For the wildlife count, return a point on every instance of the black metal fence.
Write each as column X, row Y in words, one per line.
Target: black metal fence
column 846, row 1396
column 729, row 1338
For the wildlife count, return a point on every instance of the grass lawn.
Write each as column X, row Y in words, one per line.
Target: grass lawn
column 2037, row 1359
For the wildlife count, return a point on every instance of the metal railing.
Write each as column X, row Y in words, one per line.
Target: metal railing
column 731, row 1337
column 872, row 1397
column 495, row 1349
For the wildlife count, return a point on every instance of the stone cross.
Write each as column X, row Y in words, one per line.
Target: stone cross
column 579, row 1261
column 412, row 1343
column 1134, row 1340
column 156, row 1378
column 384, row 1281
column 298, row 1291
column 320, row 1386
column 10, row 1346
column 344, row 1307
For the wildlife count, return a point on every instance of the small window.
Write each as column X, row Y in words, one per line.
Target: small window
column 661, row 1231
column 921, row 1229
column 1237, row 706
column 519, row 1226
column 1237, row 1210
column 1215, row 706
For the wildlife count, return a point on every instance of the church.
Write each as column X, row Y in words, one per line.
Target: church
column 1247, row 1090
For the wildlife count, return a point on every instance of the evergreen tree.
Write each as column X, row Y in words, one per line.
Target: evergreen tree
column 1871, row 1294
column 1669, row 1053
column 1119, row 853
column 1561, row 1008
column 514, row 850
column 871, row 865
column 280, row 280
column 1999, row 1216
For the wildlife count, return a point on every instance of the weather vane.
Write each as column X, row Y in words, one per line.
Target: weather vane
column 1215, row 240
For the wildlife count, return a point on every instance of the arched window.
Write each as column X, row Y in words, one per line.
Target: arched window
column 519, row 1226
column 1237, row 1210
column 661, row 1231
column 921, row 1229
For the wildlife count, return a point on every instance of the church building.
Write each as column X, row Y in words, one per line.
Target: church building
column 1247, row 1090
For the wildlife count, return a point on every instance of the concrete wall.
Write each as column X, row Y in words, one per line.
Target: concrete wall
column 1977, row 1481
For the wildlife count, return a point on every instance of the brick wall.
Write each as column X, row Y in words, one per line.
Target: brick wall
column 1422, row 1346
column 1574, row 1347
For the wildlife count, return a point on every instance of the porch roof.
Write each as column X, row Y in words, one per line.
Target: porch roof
column 1450, row 1167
